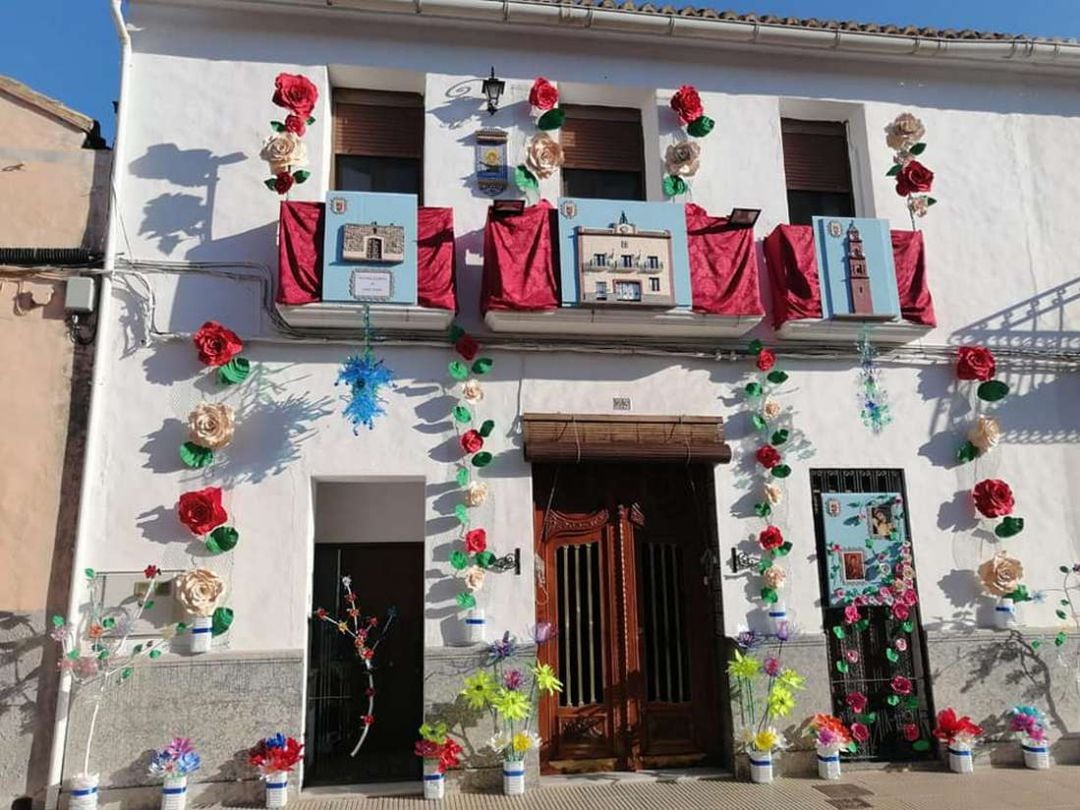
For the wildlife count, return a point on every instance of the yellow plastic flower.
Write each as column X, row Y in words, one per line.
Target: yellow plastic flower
column 522, row 742
column 780, row 701
column 511, row 705
column 766, row 740
column 790, row 679
column 546, row 680
column 480, row 689
column 743, row 666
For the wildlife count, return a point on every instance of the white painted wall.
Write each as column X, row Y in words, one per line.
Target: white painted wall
column 1002, row 235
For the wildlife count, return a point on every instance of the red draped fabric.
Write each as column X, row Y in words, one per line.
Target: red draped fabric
column 300, row 244
column 916, row 305
column 723, row 265
column 520, row 260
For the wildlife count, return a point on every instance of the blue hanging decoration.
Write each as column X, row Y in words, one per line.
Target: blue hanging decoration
column 366, row 377
column 875, row 411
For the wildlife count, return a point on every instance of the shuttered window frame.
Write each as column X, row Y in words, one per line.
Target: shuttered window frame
column 603, row 138
column 378, row 124
column 816, row 156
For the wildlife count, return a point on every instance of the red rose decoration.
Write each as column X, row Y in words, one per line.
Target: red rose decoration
column 467, row 347
column 543, row 94
column 900, row 611
column 687, row 104
column 216, row 344
column 295, row 93
column 766, row 360
column 910, row 732
column 856, row 701
column 151, row 571
column 770, row 538
column 471, row 441
column 901, row 685
column 859, row 732
column 975, row 363
column 767, row 456
column 476, row 541
column 201, row 511
column 993, row 498
column 283, row 182
column 296, row 125
column 913, row 178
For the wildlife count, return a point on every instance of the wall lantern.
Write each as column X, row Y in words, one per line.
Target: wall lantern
column 493, row 88
column 743, row 217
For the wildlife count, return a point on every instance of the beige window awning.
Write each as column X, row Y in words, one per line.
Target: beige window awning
column 594, row 437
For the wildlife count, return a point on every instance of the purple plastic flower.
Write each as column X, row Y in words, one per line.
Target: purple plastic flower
column 783, row 631
column 1076, row 568
column 502, row 649
column 542, row 632
column 749, row 639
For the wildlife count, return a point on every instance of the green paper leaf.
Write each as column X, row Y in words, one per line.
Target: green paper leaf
column 465, row 600
column 484, row 559
column 762, row 509
column 108, row 622
column 1020, row 594
column 755, row 346
column 908, row 626
column 148, row 605
column 1059, row 639
column 125, row 673
column 461, row 512
column 784, row 549
column 73, row 654
column 195, row 456
column 456, row 333
column 137, row 649
column 221, row 621
column 895, row 170
column 223, row 538
column 462, row 476
column 486, row 428
column 781, row 471
column 1009, row 527
column 869, row 718
column 301, row 175
column 930, row 201
column 1062, row 602
column 277, row 126
column 893, row 700
column 552, row 119
column 753, row 389
column 921, row 745
column 769, row 595
column 700, row 127
column 918, row 149
column 58, row 621
column 842, row 667
column 1036, row 644
column 311, row 120
column 459, row 560
column 458, row 370
column 524, row 179
column 967, row 452
column 764, row 565
column 235, row 371
column 482, row 459
column 758, row 421
column 838, row 631
column 90, row 574
column 462, row 414
column 155, row 654
column 779, row 437
column 862, row 625
column 776, row 376
column 673, row 185
column 911, row 702
column 892, row 655
column 1064, row 569
column 482, row 365
column 1061, row 614
column 992, row 390
column 271, row 184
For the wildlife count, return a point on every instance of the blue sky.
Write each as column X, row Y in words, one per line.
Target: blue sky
column 67, row 48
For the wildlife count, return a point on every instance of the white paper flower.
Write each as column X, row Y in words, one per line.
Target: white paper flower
column 543, row 155
column 198, row 591
column 472, row 391
column 771, row 409
column 774, row 493
column 211, row 425
column 284, row 151
column 985, row 433
column 476, row 493
column 474, row 577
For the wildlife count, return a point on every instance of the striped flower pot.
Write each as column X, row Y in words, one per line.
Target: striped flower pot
column 961, row 760
column 201, row 633
column 1004, row 613
column 513, row 777
column 277, row 789
column 84, row 792
column 1036, row 757
column 434, row 780
column 828, row 763
column 174, row 793
column 761, row 766
column 475, row 626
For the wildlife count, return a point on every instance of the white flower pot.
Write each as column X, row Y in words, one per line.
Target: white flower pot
column 961, row 760
column 761, row 766
column 476, row 626
column 1036, row 757
column 513, row 777
column 1004, row 613
column 434, row 780
column 777, row 615
column 201, row 633
column 277, row 789
column 828, row 763
column 174, row 793
column 84, row 792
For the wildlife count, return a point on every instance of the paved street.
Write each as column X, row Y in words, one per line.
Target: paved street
column 988, row 789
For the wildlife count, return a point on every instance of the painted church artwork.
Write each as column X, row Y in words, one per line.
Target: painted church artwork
column 856, row 269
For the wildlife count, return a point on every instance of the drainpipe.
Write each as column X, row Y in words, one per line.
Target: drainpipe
column 92, row 460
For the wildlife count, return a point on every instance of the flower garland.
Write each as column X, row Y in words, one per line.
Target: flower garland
column 682, row 158
column 367, row 634
column 543, row 154
column 977, row 364
column 366, row 377
column 874, row 410
column 284, row 151
column 904, row 136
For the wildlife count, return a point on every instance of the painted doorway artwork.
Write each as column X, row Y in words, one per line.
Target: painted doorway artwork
column 623, row 555
column 877, row 648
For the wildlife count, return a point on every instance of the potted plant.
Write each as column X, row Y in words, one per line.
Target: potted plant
column 959, row 734
column 172, row 764
column 440, row 752
column 1030, row 724
column 759, row 737
column 831, row 737
column 275, row 757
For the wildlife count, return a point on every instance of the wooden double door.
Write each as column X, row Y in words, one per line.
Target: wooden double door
column 623, row 575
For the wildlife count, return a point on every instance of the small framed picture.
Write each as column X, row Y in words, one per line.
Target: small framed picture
column 854, row 566
column 881, row 521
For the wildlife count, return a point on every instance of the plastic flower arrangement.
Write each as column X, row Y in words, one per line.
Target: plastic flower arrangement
column 436, row 743
column 178, row 758
column 830, row 734
column 275, row 754
column 1029, row 723
column 958, row 732
column 780, row 687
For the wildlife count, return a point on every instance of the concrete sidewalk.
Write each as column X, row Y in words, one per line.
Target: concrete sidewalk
column 987, row 789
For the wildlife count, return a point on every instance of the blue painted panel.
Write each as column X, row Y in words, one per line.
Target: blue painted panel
column 831, row 245
column 365, row 280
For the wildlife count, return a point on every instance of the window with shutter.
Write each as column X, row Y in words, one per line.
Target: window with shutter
column 817, row 169
column 378, row 141
column 603, row 153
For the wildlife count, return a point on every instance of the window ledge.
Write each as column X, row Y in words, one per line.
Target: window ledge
column 384, row 317
column 628, row 323
column 847, row 330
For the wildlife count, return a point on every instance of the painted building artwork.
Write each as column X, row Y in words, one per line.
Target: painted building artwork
column 373, row 243
column 865, row 537
column 856, row 268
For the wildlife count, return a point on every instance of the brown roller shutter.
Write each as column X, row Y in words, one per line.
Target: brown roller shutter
column 606, row 138
column 378, row 124
column 815, row 156
column 592, row 437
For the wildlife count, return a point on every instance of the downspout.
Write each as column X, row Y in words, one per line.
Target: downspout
column 96, row 412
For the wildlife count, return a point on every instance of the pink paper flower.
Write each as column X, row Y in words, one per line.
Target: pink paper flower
column 856, row 701
column 901, row 685
column 859, row 732
column 900, row 611
column 852, row 656
column 900, row 644
column 911, row 732
column 851, row 614
column 910, row 597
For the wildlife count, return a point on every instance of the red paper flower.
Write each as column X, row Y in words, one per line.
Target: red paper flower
column 296, row 93
column 369, row 692
column 766, row 359
column 467, row 347
column 859, row 732
column 767, row 456
column 910, row 731
column 201, row 511
column 949, row 726
column 151, row 571
column 283, row 182
column 476, row 541
column 543, row 94
column 321, row 613
column 900, row 611
column 451, row 754
column 975, row 363
column 993, row 498
column 296, row 125
column 913, row 178
column 471, row 441
column 901, row 685
column 367, row 719
column 910, row 597
column 687, row 104
column 216, row 344
column 770, row 538
column 426, row 749
column 856, row 701
column 367, row 654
